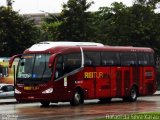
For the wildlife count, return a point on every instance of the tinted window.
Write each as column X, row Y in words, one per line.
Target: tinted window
column 145, row 59
column 72, row 62
column 4, row 89
column 10, row 88
column 67, row 63
column 110, row 58
column 128, row 59
column 151, row 59
column 7, row 88
column 92, row 58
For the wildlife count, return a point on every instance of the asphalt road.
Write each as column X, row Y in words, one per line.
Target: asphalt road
column 89, row 111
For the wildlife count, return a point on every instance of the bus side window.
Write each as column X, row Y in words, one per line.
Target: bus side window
column 72, row 62
column 128, row 59
column 107, row 62
column 88, row 63
column 146, row 59
column 92, row 58
column 143, row 58
column 110, row 58
column 151, row 59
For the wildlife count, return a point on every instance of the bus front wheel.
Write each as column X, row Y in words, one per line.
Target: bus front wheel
column 77, row 99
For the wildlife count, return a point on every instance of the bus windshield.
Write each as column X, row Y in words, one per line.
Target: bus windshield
column 33, row 67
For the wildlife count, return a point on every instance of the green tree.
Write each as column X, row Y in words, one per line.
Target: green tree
column 137, row 25
column 16, row 32
column 151, row 3
column 50, row 31
column 76, row 21
column 113, row 25
column 9, row 3
column 50, row 27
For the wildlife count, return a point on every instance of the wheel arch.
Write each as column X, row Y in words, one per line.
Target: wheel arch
column 79, row 89
column 78, row 96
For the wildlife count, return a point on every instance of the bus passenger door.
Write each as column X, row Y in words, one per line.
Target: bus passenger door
column 58, row 85
column 118, row 74
column 67, row 66
column 103, row 82
column 123, row 80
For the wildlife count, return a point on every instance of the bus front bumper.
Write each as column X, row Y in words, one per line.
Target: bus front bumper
column 33, row 97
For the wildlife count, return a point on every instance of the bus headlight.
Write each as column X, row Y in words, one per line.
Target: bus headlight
column 50, row 90
column 17, row 91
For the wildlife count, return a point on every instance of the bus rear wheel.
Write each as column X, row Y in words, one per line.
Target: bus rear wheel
column 77, row 99
column 132, row 96
column 45, row 103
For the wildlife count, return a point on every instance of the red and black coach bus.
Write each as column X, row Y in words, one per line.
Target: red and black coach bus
column 60, row 71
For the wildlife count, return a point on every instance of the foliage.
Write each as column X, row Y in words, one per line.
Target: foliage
column 151, row 3
column 50, row 31
column 16, row 32
column 137, row 25
column 9, row 3
column 110, row 24
column 76, row 21
column 50, row 27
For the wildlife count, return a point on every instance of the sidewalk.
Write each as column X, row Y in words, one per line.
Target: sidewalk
column 7, row 101
column 157, row 93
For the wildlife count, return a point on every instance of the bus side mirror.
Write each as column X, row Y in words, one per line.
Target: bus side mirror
column 13, row 58
column 51, row 60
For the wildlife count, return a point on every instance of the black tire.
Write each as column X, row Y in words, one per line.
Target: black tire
column 105, row 100
column 77, row 99
column 45, row 103
column 133, row 94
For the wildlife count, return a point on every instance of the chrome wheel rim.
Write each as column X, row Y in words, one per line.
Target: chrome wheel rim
column 77, row 98
column 133, row 94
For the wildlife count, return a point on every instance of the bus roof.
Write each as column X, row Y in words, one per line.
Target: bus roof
column 54, row 47
column 119, row 48
column 103, row 48
column 42, row 46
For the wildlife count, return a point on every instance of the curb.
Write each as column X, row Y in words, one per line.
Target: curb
column 3, row 103
column 156, row 94
column 8, row 101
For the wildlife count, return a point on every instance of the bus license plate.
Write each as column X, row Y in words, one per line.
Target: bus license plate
column 27, row 88
column 31, row 88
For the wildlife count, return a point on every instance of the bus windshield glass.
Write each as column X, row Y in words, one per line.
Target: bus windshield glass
column 33, row 67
